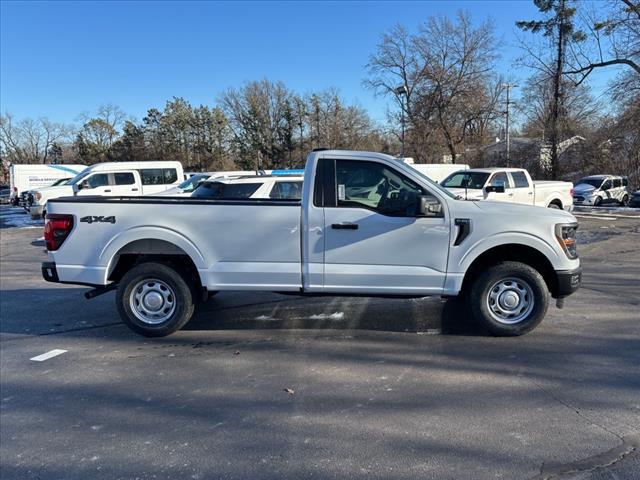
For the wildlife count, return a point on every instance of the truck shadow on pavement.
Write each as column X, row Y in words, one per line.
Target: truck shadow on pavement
column 48, row 311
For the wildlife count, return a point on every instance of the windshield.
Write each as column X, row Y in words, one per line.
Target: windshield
column 594, row 182
column 462, row 179
column 62, row 181
column 78, row 178
column 192, row 182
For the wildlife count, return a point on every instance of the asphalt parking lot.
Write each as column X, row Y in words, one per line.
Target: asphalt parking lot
column 269, row 386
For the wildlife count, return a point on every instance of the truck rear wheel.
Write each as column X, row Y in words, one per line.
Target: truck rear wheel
column 154, row 300
column 509, row 299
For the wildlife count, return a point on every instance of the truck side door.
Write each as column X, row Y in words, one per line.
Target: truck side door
column 374, row 239
column 126, row 183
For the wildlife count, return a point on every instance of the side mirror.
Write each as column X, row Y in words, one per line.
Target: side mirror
column 76, row 187
column 430, row 207
column 494, row 188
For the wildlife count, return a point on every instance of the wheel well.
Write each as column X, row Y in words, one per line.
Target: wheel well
column 516, row 253
column 152, row 250
column 557, row 202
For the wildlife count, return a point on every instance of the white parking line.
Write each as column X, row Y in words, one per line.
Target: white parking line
column 48, row 355
column 594, row 216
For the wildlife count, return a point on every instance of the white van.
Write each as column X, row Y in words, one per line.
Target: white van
column 436, row 171
column 599, row 190
column 118, row 179
column 25, row 177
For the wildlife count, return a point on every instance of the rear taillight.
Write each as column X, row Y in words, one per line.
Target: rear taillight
column 56, row 230
column 571, row 192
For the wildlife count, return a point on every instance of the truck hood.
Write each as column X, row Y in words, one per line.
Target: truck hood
column 584, row 189
column 55, row 192
column 519, row 212
column 472, row 193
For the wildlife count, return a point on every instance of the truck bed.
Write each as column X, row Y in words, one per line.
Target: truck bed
column 261, row 253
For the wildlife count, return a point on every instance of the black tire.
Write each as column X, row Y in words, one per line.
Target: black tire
column 625, row 200
column 514, row 280
column 597, row 202
column 554, row 206
column 161, row 281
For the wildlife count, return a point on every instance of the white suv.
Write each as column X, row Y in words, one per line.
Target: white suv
column 251, row 186
column 598, row 190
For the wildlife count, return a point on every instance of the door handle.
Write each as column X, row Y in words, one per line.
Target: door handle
column 344, row 226
column 530, row 193
column 510, row 194
column 134, row 189
column 107, row 191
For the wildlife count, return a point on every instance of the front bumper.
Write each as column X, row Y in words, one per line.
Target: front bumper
column 36, row 210
column 567, row 282
column 583, row 200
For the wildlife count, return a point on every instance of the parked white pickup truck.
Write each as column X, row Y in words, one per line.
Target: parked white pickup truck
column 509, row 185
column 366, row 225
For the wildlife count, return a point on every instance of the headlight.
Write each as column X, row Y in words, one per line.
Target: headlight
column 566, row 236
column 38, row 196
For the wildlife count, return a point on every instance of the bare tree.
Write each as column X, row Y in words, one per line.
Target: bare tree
column 30, row 141
column 447, row 70
column 257, row 118
column 579, row 114
column 558, row 27
column 111, row 119
column 612, row 38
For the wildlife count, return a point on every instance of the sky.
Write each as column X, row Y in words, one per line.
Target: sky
column 60, row 59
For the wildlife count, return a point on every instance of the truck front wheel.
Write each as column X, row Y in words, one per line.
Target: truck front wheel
column 509, row 298
column 154, row 300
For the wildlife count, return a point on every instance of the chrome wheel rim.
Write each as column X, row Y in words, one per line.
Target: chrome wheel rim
column 152, row 301
column 510, row 301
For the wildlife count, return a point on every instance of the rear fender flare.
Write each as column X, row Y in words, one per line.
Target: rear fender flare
column 109, row 253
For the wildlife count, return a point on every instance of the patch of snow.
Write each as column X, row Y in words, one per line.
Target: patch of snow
column 325, row 316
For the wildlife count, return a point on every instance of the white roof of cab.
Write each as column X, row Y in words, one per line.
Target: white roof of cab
column 135, row 165
column 495, row 169
column 256, row 179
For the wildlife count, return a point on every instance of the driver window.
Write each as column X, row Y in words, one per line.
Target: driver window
column 98, row 180
column 376, row 187
column 500, row 178
column 606, row 185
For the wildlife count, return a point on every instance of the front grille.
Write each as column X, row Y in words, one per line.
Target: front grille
column 578, row 198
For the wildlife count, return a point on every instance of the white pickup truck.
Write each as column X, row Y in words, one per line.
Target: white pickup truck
column 509, row 185
column 366, row 225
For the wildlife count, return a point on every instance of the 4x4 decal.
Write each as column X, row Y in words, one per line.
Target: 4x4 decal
column 94, row 219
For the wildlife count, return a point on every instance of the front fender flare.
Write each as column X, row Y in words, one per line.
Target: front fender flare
column 506, row 238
